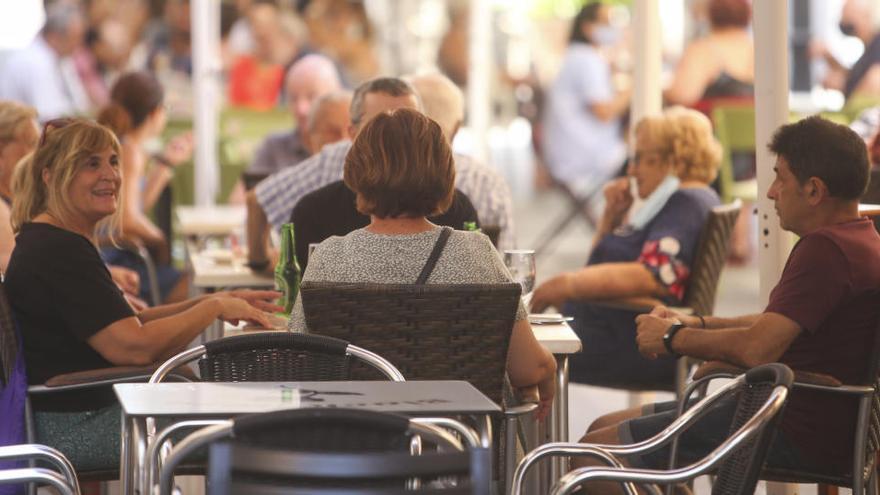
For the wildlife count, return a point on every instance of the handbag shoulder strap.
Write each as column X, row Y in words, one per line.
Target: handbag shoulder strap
column 435, row 255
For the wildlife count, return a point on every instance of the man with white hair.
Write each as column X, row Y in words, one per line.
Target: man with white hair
column 328, row 121
column 43, row 74
column 486, row 188
column 307, row 80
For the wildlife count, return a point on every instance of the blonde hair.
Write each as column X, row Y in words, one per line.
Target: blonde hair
column 12, row 116
column 685, row 138
column 64, row 149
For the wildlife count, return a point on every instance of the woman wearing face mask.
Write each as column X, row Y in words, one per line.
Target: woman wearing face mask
column 645, row 253
column 583, row 143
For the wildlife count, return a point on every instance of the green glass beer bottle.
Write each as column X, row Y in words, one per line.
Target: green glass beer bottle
column 471, row 227
column 287, row 271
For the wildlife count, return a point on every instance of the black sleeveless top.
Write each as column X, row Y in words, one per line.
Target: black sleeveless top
column 725, row 86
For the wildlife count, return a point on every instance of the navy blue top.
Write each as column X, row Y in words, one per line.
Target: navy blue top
column 668, row 244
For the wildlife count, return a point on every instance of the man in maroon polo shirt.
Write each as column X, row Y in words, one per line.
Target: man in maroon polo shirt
column 821, row 316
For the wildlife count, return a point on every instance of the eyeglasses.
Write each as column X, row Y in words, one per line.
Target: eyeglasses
column 640, row 155
column 52, row 125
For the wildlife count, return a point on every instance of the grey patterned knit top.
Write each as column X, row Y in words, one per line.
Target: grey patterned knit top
column 365, row 257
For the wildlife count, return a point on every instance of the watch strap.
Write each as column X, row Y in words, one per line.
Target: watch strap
column 668, row 336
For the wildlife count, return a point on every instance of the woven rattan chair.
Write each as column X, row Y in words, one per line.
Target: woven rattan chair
column 866, row 442
column 761, row 394
column 332, row 449
column 429, row 332
column 62, row 477
column 275, row 357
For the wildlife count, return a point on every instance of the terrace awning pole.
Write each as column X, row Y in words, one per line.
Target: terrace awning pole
column 771, row 111
column 206, row 98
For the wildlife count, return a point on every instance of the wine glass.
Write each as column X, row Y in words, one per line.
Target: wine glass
column 521, row 264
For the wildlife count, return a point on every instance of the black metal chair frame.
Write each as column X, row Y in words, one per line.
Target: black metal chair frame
column 756, row 429
column 433, row 430
column 159, row 444
column 866, row 442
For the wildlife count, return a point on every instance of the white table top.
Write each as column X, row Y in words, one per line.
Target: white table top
column 210, row 220
column 558, row 338
column 208, row 273
column 223, row 399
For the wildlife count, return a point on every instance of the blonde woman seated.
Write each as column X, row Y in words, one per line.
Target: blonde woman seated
column 71, row 315
column 643, row 253
column 402, row 171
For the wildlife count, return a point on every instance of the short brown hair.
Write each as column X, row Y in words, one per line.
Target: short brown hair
column 833, row 153
column 400, row 165
column 730, row 13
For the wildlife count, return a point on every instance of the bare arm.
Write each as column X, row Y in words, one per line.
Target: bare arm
column 613, row 108
column 764, row 341
column 176, row 152
column 7, row 237
column 135, row 224
column 257, row 230
column 597, row 282
column 157, row 178
column 129, row 342
column 529, row 363
column 692, row 75
column 264, row 300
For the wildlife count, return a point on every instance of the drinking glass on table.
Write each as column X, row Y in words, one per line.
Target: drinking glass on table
column 521, row 264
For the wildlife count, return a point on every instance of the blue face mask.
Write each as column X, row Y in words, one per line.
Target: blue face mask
column 605, row 35
column 652, row 205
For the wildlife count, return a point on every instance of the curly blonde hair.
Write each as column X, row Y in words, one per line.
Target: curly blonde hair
column 684, row 137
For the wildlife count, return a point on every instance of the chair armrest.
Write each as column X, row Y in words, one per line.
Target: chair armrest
column 556, row 449
column 103, row 377
column 709, row 368
column 801, row 378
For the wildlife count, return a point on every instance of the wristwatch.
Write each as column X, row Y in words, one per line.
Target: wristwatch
column 668, row 336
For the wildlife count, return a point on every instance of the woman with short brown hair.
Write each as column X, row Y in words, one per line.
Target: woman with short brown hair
column 401, row 170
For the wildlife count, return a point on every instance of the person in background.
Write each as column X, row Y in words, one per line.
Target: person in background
column 721, row 64
column 136, row 114
column 255, row 78
column 328, row 120
column 104, row 56
column 583, row 141
column 861, row 19
column 307, row 80
column 401, row 169
column 271, row 203
column 43, row 74
column 640, row 254
column 483, row 185
column 330, row 210
column 71, row 315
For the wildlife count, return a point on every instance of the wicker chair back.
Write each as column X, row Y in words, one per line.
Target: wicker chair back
column 429, row 332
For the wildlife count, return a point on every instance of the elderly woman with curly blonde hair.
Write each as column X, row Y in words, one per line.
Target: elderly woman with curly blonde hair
column 643, row 253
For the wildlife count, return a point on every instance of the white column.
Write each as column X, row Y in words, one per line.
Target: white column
column 205, row 16
column 647, row 58
column 771, row 111
column 480, row 64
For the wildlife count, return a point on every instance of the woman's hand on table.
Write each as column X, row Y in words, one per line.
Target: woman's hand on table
column 264, row 300
column 553, row 292
column 234, row 310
